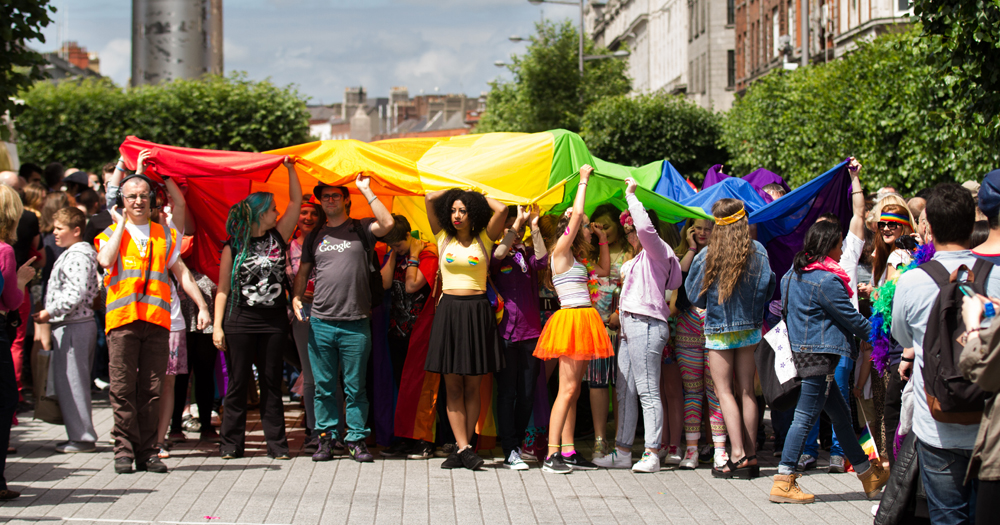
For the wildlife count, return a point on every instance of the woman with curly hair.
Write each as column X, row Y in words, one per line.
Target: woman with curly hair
column 251, row 320
column 732, row 280
column 464, row 343
column 575, row 334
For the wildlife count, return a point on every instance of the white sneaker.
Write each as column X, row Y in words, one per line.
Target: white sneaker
column 720, row 458
column 690, row 461
column 514, row 461
column 672, row 458
column 616, row 459
column 662, row 453
column 650, row 462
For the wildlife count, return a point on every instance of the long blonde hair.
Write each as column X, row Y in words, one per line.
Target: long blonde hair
column 729, row 250
column 10, row 213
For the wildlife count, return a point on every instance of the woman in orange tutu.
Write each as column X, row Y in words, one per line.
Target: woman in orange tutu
column 575, row 334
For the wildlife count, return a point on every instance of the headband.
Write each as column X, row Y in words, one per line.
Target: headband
column 736, row 217
column 895, row 217
column 626, row 219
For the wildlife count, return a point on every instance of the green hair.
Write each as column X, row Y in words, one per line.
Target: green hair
column 242, row 217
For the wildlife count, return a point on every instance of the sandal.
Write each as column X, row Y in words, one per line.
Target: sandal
column 746, row 471
column 726, row 474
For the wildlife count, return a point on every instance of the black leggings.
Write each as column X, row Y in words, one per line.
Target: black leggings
column 987, row 502
column 242, row 352
column 201, row 363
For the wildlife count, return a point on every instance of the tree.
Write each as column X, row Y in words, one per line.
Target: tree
column 20, row 67
column 82, row 124
column 884, row 104
column 963, row 44
column 547, row 91
column 639, row 130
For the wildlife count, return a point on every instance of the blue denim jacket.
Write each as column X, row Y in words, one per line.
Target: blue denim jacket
column 744, row 310
column 821, row 318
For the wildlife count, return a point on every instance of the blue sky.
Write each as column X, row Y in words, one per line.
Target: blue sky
column 323, row 46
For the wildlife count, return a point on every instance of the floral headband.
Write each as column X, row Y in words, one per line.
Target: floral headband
column 626, row 219
column 723, row 221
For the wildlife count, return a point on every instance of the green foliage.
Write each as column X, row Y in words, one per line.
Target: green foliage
column 963, row 44
column 883, row 104
column 547, row 91
column 20, row 21
column 82, row 124
column 639, row 130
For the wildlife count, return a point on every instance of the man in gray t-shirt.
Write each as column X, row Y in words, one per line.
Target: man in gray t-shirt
column 339, row 330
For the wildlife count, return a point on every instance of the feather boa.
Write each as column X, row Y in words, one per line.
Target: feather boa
column 881, row 319
column 592, row 284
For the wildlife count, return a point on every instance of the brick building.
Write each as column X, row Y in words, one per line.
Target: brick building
column 769, row 32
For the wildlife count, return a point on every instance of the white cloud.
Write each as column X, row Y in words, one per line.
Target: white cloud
column 233, row 51
column 116, row 60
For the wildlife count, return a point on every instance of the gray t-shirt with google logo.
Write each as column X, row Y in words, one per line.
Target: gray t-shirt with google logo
column 341, row 291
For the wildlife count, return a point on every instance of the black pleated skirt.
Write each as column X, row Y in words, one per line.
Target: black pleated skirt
column 464, row 337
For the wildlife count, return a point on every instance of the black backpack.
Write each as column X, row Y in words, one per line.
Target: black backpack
column 950, row 397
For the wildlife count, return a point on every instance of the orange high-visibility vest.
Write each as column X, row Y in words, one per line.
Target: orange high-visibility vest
column 138, row 285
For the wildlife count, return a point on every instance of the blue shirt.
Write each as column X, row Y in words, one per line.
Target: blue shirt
column 916, row 294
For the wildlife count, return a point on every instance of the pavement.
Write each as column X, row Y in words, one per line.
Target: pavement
column 201, row 488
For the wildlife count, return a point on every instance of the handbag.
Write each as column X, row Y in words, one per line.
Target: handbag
column 779, row 380
column 46, row 405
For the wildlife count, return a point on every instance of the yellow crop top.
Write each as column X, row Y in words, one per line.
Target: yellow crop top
column 464, row 268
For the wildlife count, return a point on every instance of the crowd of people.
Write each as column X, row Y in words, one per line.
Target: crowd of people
column 669, row 319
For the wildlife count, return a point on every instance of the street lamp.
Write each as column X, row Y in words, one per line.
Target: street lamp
column 581, row 3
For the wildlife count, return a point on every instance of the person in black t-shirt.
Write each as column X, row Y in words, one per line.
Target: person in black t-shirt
column 251, row 322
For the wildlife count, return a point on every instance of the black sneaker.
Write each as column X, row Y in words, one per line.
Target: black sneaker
column 152, row 464
column 453, row 461
column 359, row 451
column 337, row 448
column 470, row 459
column 311, row 445
column 324, row 450
column 578, row 462
column 123, row 465
column 554, row 464
column 421, row 450
column 399, row 449
column 446, row 450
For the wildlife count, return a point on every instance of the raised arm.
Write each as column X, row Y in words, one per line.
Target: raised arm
column 383, row 219
column 509, row 238
column 432, row 217
column 562, row 252
column 857, row 199
column 109, row 250
column 495, row 226
column 537, row 241
column 288, row 220
column 179, row 211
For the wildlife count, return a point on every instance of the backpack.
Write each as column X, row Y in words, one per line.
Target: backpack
column 950, row 397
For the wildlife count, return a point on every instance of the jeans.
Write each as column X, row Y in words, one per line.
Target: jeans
column 335, row 347
column 201, row 366
column 781, row 421
column 816, row 395
column 516, row 392
column 949, row 499
column 640, row 356
column 842, row 374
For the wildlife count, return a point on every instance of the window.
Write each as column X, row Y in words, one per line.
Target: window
column 793, row 23
column 692, row 20
column 704, row 73
column 731, row 11
column 904, row 5
column 704, row 14
column 731, row 68
column 690, row 76
column 775, row 33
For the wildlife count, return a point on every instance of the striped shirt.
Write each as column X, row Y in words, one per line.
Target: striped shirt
column 571, row 286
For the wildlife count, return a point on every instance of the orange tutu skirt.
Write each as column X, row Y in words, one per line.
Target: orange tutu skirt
column 577, row 333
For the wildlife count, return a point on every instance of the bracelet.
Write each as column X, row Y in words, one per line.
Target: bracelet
column 582, row 184
column 414, row 261
column 373, row 199
column 857, row 192
column 907, row 359
column 602, row 244
column 412, row 264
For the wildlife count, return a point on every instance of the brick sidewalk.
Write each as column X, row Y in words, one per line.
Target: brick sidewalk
column 83, row 488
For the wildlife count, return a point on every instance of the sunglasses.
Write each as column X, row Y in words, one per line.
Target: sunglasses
column 890, row 225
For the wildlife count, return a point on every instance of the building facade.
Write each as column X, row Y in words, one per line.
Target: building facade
column 769, row 32
column 677, row 46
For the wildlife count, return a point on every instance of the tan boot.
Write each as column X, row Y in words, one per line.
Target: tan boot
column 874, row 479
column 786, row 490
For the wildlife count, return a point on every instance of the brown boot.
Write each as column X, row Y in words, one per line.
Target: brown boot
column 874, row 479
column 786, row 490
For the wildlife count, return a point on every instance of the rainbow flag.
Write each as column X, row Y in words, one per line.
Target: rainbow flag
column 868, row 444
